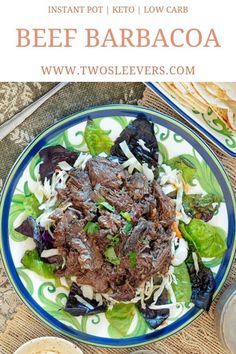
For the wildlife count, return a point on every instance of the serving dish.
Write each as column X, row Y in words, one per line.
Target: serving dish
column 208, row 124
column 46, row 298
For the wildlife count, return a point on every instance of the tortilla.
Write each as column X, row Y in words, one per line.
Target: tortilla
column 220, row 97
column 184, row 98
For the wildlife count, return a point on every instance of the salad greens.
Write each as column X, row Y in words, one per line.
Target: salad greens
column 121, row 317
column 97, row 139
column 201, row 206
column 30, row 204
column 202, row 280
column 51, row 156
column 42, row 237
column 208, row 240
column 78, row 305
column 155, row 317
column 32, row 261
column 182, row 287
column 141, row 140
column 182, row 163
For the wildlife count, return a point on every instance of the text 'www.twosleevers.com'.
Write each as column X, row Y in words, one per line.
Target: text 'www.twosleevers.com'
column 118, row 70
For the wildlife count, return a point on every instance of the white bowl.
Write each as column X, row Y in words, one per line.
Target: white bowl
column 48, row 345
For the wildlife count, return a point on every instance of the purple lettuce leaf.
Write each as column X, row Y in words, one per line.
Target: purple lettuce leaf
column 84, row 307
column 27, row 227
column 203, row 286
column 135, row 134
column 51, row 156
column 155, row 318
column 42, row 237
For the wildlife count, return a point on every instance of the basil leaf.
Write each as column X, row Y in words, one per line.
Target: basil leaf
column 125, row 215
column 183, row 288
column 91, row 227
column 120, row 318
column 32, row 261
column 111, row 256
column 96, row 138
column 207, row 239
column 132, row 259
column 127, row 228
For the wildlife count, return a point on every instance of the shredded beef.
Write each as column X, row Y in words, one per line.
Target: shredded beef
column 105, row 172
column 137, row 222
column 166, row 207
column 137, row 186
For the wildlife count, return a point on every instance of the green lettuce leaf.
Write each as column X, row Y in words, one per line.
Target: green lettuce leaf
column 31, row 206
column 182, row 163
column 120, row 318
column 32, row 261
column 96, row 138
column 208, row 240
column 183, row 288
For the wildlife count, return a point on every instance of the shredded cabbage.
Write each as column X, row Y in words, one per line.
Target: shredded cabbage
column 81, row 160
column 195, row 262
column 132, row 163
column 65, row 166
column 49, row 253
column 87, row 291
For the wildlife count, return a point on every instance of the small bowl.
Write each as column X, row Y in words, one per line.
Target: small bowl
column 48, row 345
column 225, row 319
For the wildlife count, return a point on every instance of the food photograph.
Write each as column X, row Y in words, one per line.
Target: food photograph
column 117, row 217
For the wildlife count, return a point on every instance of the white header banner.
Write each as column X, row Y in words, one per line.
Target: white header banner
column 117, row 40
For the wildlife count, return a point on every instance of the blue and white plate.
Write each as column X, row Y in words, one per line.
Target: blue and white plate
column 46, row 297
column 208, row 124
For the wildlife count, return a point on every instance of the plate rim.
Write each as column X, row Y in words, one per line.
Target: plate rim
column 134, row 341
column 189, row 119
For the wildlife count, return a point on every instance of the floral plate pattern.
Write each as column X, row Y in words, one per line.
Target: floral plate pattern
column 46, row 297
column 208, row 124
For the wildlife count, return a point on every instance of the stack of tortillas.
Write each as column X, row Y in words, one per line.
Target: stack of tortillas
column 220, row 97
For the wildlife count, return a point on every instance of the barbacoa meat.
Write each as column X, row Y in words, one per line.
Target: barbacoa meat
column 106, row 173
column 132, row 222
